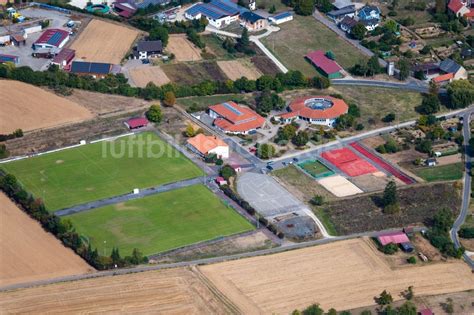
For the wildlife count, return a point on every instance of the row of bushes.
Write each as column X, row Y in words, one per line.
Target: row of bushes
column 250, row 210
column 15, row 134
column 63, row 229
column 118, row 84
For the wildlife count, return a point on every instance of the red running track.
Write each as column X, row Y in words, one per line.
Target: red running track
column 392, row 170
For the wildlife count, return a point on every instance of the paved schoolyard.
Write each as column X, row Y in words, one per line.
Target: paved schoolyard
column 267, row 196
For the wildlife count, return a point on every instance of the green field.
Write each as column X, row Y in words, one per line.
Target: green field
column 92, row 172
column 314, row 168
column 160, row 222
column 439, row 173
column 303, row 35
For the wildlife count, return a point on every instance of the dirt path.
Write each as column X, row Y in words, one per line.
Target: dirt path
column 28, row 253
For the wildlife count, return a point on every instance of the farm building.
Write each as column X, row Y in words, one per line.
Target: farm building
column 281, row 18
column 51, row 39
column 135, row 123
column 232, row 118
column 64, row 57
column 142, row 4
column 326, row 66
column 451, row 66
column 253, row 21
column 347, row 24
column 319, row 110
column 95, row 69
column 250, row 4
column 145, row 49
column 393, row 238
column 18, row 39
column 9, row 58
column 124, row 9
column 339, row 14
column 205, row 145
column 219, row 13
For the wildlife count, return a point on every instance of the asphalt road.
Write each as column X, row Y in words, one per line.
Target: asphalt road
column 466, row 194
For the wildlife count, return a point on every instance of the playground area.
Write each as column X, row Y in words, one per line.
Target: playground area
column 315, row 168
column 348, row 162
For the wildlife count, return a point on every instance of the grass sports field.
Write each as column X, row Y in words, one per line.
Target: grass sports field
column 92, row 172
column 160, row 222
column 444, row 172
column 315, row 168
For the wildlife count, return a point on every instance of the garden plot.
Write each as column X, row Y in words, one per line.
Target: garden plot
column 141, row 76
column 339, row 186
column 235, row 69
column 183, row 49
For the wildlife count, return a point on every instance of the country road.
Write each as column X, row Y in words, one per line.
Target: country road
column 466, row 194
column 204, row 261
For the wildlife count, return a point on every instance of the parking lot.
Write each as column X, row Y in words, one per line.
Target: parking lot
column 57, row 20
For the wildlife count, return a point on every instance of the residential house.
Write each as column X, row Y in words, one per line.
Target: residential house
column 450, row 66
column 371, row 24
column 339, row 14
column 369, row 12
column 252, row 21
column 205, row 145
column 467, row 52
column 347, row 24
column 145, row 49
column 457, row 8
column 281, row 18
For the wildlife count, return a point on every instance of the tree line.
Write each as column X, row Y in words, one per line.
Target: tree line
column 64, row 229
column 118, row 83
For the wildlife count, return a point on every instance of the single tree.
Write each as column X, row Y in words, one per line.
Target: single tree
column 266, row 151
column 390, row 198
column 154, row 114
column 300, row 139
column 169, row 99
column 404, row 67
column 190, row 132
column 359, row 31
column 384, row 298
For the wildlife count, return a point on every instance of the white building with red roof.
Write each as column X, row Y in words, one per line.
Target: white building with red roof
column 232, row 118
column 205, row 145
column 318, row 110
column 51, row 38
column 461, row 8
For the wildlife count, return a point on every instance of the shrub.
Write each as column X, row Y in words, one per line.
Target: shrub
column 390, row 249
column 411, row 260
column 466, row 232
column 154, row 114
column 317, row 200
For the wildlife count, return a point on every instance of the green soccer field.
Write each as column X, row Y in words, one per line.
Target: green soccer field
column 160, row 222
column 443, row 172
column 100, row 170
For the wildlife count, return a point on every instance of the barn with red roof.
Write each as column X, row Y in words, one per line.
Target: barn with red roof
column 52, row 38
column 325, row 65
column 137, row 122
column 319, row 110
column 236, row 119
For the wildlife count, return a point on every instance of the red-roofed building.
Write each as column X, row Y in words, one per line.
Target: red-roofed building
column 326, row 66
column 64, row 57
column 457, row 8
column 204, row 145
column 135, row 123
column 124, row 9
column 319, row 110
column 51, row 38
column 444, row 78
column 236, row 119
column 426, row 311
column 394, row 238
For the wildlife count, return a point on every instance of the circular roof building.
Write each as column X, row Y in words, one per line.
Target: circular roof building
column 322, row 110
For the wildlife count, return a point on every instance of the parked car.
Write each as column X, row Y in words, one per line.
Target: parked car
column 295, row 159
column 269, row 167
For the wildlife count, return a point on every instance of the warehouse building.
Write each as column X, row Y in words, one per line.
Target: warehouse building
column 51, row 39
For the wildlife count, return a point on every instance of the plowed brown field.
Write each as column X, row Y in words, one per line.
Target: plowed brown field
column 28, row 107
column 28, row 253
column 174, row 291
column 343, row 275
column 104, row 42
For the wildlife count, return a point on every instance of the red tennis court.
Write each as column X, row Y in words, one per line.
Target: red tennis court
column 349, row 162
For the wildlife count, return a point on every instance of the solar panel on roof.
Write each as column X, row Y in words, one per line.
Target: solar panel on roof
column 226, row 8
column 232, row 109
column 54, row 40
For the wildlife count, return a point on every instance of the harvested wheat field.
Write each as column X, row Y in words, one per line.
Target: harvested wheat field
column 104, row 42
column 343, row 275
column 28, row 253
column 235, row 69
column 28, row 107
column 141, row 76
column 183, row 49
column 174, row 291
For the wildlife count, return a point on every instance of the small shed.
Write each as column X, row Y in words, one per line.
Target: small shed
column 327, row 67
column 431, row 162
column 221, row 181
column 237, row 168
column 64, row 57
column 135, row 123
column 407, row 247
column 18, row 39
column 394, row 238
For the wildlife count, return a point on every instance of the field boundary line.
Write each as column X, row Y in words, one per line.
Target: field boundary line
column 16, row 158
